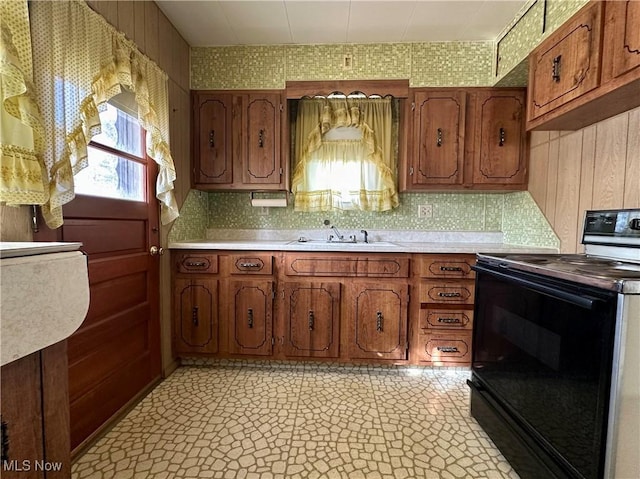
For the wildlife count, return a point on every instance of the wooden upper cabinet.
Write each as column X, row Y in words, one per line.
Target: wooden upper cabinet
column 621, row 55
column 567, row 64
column 500, row 153
column 261, row 163
column 439, row 126
column 237, row 140
column 213, row 159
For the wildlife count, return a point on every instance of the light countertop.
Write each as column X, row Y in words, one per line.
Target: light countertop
column 380, row 242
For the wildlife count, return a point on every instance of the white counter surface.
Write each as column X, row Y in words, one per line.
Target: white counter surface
column 378, row 247
column 44, row 296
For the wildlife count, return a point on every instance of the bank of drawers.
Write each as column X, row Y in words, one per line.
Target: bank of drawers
column 446, row 295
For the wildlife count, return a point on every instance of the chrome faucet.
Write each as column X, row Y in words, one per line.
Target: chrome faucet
column 339, row 236
column 366, row 235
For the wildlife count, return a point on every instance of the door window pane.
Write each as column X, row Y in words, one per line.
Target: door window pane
column 111, row 176
column 120, row 131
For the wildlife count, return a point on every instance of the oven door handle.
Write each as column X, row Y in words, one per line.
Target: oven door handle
column 583, row 301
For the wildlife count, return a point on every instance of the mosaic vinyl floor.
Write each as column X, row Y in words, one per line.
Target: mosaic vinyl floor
column 238, row 420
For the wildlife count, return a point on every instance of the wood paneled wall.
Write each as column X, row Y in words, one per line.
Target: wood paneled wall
column 597, row 167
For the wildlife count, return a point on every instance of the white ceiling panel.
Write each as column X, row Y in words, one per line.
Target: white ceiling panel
column 315, row 22
column 277, row 22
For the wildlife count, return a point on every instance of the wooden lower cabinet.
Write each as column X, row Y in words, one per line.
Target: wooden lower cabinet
column 379, row 315
column 376, row 308
column 196, row 315
column 311, row 315
column 34, row 411
column 251, row 317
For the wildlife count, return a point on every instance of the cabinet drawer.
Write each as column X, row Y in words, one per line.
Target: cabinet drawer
column 454, row 319
column 446, row 292
column 364, row 267
column 197, row 263
column 450, row 347
column 252, row 264
column 446, row 266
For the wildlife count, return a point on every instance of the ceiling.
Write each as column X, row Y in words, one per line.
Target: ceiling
column 277, row 22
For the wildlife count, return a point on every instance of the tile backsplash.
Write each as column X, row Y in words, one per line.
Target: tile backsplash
column 514, row 214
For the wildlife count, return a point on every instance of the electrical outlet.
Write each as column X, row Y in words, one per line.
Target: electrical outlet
column 425, row 211
column 347, row 62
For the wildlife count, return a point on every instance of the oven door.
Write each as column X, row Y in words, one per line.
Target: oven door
column 542, row 351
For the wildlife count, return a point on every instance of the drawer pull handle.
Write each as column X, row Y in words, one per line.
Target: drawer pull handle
column 312, row 321
column 439, row 137
column 194, row 316
column 447, row 349
column 449, row 320
column 555, row 71
column 449, row 295
column 502, row 137
column 197, row 264
column 451, row 268
column 261, row 139
column 379, row 322
column 250, row 318
column 212, row 142
column 249, row 265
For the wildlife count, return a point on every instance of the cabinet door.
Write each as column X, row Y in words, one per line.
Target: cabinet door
column 260, row 134
column 21, row 413
column 439, row 122
column 379, row 320
column 196, row 319
column 312, row 319
column 621, row 52
column 500, row 138
column 567, row 64
column 213, row 159
column 251, row 317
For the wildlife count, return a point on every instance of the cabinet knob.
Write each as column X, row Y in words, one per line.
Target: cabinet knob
column 212, row 142
column 502, row 137
column 379, row 322
column 312, row 320
column 250, row 318
column 194, row 316
column 439, row 137
column 261, row 139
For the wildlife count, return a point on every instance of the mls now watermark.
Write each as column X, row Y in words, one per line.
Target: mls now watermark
column 27, row 465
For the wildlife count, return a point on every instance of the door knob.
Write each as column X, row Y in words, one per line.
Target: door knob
column 156, row 251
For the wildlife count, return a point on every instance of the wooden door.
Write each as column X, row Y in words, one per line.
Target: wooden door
column 213, row 157
column 567, row 64
column 114, row 357
column 251, row 316
column 196, row 315
column 260, row 139
column 439, row 123
column 379, row 320
column 500, row 138
column 621, row 52
column 312, row 319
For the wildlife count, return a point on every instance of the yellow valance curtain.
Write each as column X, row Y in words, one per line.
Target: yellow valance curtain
column 337, row 169
column 23, row 178
column 81, row 62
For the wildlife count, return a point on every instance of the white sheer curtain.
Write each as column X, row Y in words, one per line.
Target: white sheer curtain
column 80, row 62
column 23, row 178
column 343, row 155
